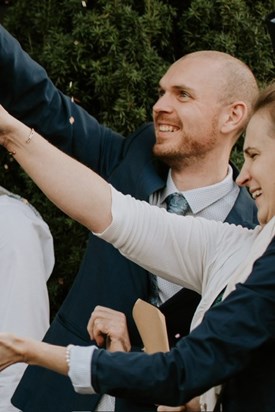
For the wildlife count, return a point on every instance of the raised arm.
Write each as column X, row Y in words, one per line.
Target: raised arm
column 87, row 198
column 189, row 243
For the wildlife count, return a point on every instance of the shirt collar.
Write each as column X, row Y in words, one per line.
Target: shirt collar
column 202, row 197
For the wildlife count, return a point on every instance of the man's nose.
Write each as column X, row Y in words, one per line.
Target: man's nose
column 163, row 104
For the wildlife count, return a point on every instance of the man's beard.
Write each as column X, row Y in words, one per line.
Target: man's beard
column 185, row 154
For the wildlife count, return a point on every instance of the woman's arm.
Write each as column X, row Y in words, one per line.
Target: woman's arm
column 14, row 349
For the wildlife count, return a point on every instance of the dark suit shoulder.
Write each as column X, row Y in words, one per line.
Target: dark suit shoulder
column 244, row 211
column 141, row 139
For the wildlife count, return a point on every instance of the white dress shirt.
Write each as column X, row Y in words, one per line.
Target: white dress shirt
column 27, row 260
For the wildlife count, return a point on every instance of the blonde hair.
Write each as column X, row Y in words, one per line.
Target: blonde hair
column 266, row 102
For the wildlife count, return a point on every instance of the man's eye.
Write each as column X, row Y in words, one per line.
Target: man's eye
column 160, row 93
column 184, row 95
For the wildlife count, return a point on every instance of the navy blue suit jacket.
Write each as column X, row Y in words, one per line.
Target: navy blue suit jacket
column 234, row 345
column 105, row 277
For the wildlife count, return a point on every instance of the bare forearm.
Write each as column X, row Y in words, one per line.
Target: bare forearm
column 14, row 349
column 74, row 188
column 48, row 356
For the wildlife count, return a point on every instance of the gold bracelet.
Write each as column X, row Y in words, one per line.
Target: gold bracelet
column 13, row 153
column 30, row 136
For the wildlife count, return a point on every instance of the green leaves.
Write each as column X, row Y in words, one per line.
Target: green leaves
column 236, row 27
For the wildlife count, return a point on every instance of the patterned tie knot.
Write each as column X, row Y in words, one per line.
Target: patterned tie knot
column 176, row 203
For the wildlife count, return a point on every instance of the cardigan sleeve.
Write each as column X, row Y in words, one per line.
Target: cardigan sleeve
column 180, row 249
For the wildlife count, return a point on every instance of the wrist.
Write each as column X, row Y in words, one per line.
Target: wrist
column 27, row 349
column 16, row 137
column 47, row 356
column 19, row 346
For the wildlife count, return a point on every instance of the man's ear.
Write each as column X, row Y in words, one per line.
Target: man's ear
column 235, row 117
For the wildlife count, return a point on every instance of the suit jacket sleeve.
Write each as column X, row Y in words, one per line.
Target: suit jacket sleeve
column 230, row 335
column 27, row 93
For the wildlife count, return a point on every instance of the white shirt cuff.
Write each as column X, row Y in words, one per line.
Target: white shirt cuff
column 80, row 368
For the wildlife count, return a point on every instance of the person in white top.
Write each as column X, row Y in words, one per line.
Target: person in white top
column 27, row 259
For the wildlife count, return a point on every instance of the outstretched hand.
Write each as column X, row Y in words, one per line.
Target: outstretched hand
column 109, row 327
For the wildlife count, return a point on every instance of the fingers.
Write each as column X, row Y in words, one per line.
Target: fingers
column 109, row 327
column 96, row 327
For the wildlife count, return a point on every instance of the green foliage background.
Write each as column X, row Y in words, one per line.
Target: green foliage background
column 109, row 56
